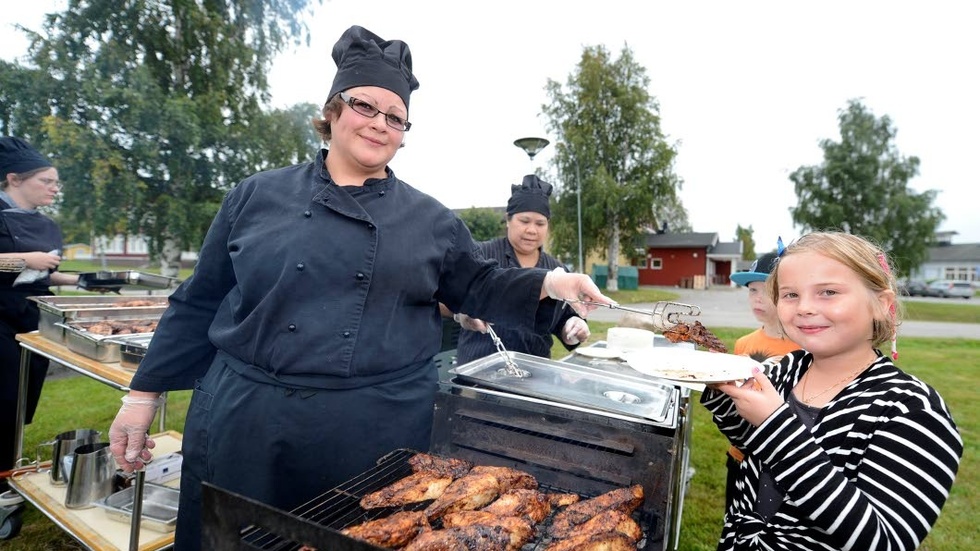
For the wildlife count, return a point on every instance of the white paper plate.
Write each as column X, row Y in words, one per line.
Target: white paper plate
column 692, row 366
column 600, row 352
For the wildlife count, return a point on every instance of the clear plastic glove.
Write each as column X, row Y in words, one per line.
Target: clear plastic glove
column 576, row 331
column 472, row 324
column 128, row 435
column 561, row 285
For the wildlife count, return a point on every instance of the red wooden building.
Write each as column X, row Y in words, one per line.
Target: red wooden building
column 694, row 260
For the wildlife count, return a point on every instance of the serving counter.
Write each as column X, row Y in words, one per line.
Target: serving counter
column 91, row 527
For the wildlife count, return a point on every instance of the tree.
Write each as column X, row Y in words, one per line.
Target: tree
column 153, row 110
column 609, row 144
column 748, row 241
column 862, row 188
column 484, row 223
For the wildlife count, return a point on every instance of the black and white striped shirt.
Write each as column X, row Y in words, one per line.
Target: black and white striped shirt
column 873, row 473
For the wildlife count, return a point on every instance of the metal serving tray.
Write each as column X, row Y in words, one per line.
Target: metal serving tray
column 572, row 384
column 63, row 309
column 159, row 506
column 102, row 348
column 132, row 349
column 118, row 280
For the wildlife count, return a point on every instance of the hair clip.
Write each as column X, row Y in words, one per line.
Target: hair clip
column 780, row 248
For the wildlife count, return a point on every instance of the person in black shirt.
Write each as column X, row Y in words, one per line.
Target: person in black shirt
column 30, row 248
column 309, row 326
column 528, row 216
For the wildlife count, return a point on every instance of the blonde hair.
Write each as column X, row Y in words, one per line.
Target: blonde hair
column 866, row 259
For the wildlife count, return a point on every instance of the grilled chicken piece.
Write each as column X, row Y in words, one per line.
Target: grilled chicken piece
column 520, row 529
column 606, row 541
column 465, row 494
column 520, row 502
column 508, row 478
column 611, row 520
column 414, row 488
column 392, row 531
column 696, row 333
column 466, row 538
column 454, row 468
column 563, row 500
column 568, row 519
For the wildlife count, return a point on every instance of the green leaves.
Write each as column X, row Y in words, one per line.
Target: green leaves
column 862, row 188
column 153, row 110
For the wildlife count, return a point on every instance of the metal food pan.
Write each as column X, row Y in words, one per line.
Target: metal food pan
column 132, row 349
column 159, row 506
column 63, row 309
column 128, row 278
column 102, row 348
column 571, row 384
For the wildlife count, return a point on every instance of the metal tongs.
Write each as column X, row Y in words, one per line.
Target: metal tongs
column 510, row 366
column 664, row 314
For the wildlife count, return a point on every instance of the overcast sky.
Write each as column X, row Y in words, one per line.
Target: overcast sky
column 746, row 90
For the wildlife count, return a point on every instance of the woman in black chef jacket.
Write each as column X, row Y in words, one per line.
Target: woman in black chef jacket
column 309, row 327
column 30, row 245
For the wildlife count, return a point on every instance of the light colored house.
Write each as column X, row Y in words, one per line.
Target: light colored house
column 948, row 260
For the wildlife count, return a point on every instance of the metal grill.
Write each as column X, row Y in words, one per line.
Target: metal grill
column 245, row 527
column 567, row 449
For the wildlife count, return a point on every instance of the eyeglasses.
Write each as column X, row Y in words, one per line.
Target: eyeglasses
column 365, row 109
column 51, row 182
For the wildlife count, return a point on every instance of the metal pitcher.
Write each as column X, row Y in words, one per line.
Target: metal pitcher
column 92, row 472
column 61, row 447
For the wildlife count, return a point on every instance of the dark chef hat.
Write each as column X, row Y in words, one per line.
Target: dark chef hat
column 531, row 196
column 365, row 59
column 17, row 157
column 759, row 270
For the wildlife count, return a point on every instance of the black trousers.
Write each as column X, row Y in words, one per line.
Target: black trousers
column 10, row 351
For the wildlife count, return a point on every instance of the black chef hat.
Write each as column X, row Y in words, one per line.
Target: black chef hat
column 365, row 59
column 17, row 157
column 531, row 196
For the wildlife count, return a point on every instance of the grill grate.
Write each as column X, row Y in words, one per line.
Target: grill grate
column 340, row 508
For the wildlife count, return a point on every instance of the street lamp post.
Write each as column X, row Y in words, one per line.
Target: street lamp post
column 531, row 146
column 578, row 198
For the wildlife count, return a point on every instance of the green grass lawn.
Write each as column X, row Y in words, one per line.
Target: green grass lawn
column 949, row 365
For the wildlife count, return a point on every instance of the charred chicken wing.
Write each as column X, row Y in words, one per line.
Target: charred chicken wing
column 520, row 529
column 520, row 502
column 414, row 488
column 568, row 519
column 465, row 538
column 392, row 531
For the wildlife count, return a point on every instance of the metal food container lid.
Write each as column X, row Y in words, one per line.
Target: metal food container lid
column 572, row 384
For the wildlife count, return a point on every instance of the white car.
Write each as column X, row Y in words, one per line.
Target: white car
column 951, row 289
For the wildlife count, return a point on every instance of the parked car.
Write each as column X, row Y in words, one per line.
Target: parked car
column 914, row 288
column 951, row 289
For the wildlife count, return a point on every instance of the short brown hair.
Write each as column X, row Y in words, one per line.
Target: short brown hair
column 331, row 111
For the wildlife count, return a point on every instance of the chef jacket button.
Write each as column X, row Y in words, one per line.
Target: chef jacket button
column 308, row 213
column 300, row 266
column 346, row 334
column 381, row 193
column 370, row 226
column 359, row 275
column 291, row 327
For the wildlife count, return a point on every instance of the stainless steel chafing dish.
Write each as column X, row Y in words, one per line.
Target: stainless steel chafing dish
column 64, row 309
column 132, row 349
column 159, row 507
column 99, row 347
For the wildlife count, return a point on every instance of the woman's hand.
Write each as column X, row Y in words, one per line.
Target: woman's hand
column 576, row 331
column 128, row 435
column 561, row 285
column 41, row 261
column 755, row 399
